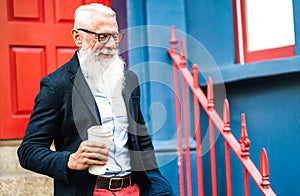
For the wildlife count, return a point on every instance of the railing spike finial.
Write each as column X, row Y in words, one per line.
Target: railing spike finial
column 264, row 169
column 210, row 94
column 182, row 53
column 244, row 141
column 173, row 40
column 195, row 75
column 226, row 117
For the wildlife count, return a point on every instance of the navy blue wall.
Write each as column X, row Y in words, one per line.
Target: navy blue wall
column 268, row 92
column 273, row 121
column 211, row 23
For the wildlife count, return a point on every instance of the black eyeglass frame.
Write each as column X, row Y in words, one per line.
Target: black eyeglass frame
column 107, row 35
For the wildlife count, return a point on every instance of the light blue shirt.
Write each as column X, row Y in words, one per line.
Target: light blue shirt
column 113, row 114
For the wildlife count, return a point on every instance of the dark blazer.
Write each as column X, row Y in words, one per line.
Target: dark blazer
column 64, row 109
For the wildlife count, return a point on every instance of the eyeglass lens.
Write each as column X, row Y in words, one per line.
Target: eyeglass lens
column 103, row 38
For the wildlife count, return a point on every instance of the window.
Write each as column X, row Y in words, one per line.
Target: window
column 264, row 29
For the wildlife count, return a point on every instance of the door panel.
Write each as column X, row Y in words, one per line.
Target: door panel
column 23, row 83
column 65, row 13
column 35, row 40
column 23, row 10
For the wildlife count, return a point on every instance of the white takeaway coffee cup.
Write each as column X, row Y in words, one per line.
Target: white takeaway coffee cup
column 101, row 134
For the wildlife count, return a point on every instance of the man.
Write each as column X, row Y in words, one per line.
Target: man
column 92, row 89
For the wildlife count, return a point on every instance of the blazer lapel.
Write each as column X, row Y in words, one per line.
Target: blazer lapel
column 84, row 107
column 126, row 97
column 85, row 93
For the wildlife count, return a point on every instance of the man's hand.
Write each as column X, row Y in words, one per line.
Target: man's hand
column 88, row 153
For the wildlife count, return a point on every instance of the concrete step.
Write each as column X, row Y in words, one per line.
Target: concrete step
column 26, row 185
column 9, row 163
column 14, row 180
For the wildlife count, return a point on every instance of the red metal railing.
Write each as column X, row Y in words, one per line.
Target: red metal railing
column 240, row 148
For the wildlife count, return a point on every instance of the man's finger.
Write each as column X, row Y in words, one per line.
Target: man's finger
column 96, row 156
column 96, row 162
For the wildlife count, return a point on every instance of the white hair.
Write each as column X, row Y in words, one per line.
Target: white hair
column 83, row 14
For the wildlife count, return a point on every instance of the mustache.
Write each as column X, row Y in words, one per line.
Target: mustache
column 95, row 53
column 107, row 51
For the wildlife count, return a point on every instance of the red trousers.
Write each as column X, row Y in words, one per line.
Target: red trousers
column 130, row 191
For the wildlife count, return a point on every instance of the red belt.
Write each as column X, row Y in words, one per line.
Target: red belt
column 114, row 183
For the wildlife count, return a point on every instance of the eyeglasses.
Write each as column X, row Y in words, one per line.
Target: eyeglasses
column 103, row 38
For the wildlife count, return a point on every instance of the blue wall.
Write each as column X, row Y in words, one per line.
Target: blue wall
column 273, row 121
column 148, row 43
column 268, row 91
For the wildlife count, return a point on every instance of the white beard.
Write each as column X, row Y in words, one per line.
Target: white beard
column 106, row 74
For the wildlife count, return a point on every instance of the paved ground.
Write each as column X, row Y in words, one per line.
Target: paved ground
column 15, row 181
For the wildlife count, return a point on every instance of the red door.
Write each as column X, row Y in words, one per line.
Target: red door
column 35, row 40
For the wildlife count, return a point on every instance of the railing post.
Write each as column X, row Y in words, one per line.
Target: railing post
column 264, row 169
column 182, row 54
column 245, row 143
column 173, row 41
column 210, row 95
column 186, row 122
column 198, row 132
column 226, row 117
column 195, row 76
column 210, row 107
column 227, row 129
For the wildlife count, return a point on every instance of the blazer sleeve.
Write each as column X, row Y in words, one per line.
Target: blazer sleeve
column 34, row 152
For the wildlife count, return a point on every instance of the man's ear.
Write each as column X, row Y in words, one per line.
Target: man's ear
column 76, row 37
